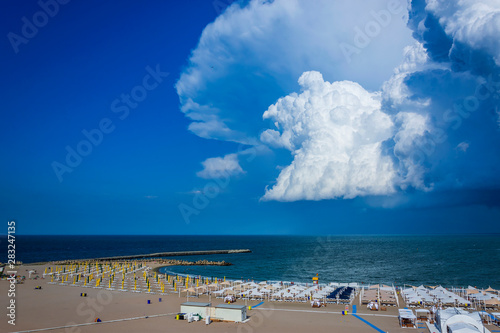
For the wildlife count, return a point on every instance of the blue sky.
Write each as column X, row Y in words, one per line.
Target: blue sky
column 284, row 117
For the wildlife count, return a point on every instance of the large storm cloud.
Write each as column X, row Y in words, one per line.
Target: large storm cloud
column 403, row 114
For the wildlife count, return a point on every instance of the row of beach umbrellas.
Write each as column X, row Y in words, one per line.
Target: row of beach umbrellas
column 262, row 289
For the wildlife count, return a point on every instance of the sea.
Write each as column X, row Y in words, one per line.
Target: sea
column 447, row 260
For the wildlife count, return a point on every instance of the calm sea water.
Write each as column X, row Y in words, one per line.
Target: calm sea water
column 445, row 260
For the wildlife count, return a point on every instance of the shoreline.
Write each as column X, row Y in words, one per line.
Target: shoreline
column 162, row 263
column 303, row 282
column 174, row 262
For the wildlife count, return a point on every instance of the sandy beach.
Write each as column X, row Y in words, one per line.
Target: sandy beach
column 60, row 308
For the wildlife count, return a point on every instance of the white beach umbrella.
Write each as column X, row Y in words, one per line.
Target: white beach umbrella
column 213, row 286
column 220, row 292
column 482, row 297
column 256, row 293
column 229, row 291
column 201, row 289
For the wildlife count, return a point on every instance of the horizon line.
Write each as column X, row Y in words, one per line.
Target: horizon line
column 271, row 234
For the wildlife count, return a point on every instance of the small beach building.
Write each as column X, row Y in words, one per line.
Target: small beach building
column 223, row 312
column 230, row 312
column 202, row 309
column 454, row 320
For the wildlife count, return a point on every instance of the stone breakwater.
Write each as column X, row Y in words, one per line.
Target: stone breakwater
column 193, row 263
column 174, row 254
column 165, row 262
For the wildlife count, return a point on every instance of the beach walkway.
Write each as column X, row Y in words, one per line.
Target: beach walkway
column 368, row 323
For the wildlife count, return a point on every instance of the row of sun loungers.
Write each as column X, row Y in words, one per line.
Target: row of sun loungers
column 418, row 296
column 383, row 295
column 368, row 296
column 342, row 294
column 387, row 296
column 278, row 292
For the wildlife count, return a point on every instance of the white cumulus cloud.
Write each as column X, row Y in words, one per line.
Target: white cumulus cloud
column 250, row 55
column 335, row 132
column 217, row 167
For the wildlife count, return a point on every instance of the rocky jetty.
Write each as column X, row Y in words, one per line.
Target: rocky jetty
column 166, row 262
column 171, row 262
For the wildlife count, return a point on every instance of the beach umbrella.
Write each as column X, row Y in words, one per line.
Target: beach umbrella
column 246, row 287
column 213, row 286
column 201, row 288
column 472, row 291
column 492, row 301
column 242, row 287
column 482, row 297
column 252, row 284
column 287, row 295
column 229, row 291
column 220, row 292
